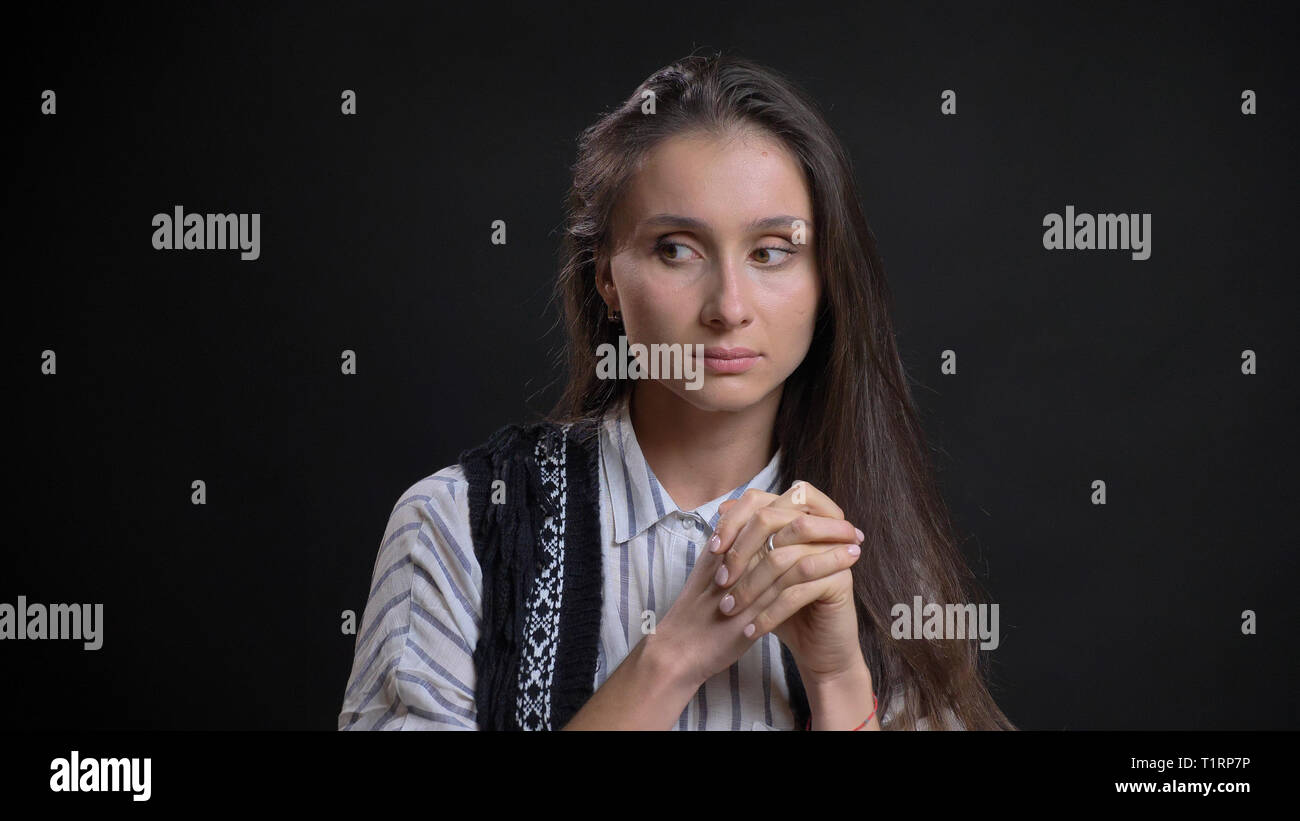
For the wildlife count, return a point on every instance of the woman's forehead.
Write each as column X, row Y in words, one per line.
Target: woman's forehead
column 722, row 184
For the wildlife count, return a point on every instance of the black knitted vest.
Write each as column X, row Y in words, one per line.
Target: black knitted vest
column 534, row 506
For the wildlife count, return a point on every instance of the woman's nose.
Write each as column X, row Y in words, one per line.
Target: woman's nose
column 728, row 298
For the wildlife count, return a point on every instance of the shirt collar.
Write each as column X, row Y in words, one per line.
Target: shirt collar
column 637, row 498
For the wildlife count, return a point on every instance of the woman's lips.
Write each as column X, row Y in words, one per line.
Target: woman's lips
column 736, row 360
column 740, row 365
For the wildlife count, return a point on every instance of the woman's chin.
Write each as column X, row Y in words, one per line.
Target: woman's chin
column 722, row 395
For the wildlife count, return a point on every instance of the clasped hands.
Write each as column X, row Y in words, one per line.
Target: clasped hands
column 803, row 589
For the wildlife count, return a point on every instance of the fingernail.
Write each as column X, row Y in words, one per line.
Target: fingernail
column 728, row 602
column 721, row 576
column 749, row 630
column 715, row 542
column 854, row 550
column 861, row 535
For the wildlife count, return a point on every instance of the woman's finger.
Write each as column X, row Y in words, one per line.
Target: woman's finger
column 803, row 495
column 736, row 512
column 749, row 540
column 790, row 600
column 785, row 526
column 735, row 517
column 786, row 566
column 783, row 563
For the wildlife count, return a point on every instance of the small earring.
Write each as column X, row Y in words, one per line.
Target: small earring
column 613, row 316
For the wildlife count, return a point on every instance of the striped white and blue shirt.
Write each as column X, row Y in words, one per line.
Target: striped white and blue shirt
column 413, row 667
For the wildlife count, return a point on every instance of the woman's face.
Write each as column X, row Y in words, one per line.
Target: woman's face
column 707, row 252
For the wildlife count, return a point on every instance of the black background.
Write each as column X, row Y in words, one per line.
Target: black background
column 1072, row 365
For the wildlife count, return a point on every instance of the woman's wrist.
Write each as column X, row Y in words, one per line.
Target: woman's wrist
column 648, row 691
column 842, row 701
column 665, row 662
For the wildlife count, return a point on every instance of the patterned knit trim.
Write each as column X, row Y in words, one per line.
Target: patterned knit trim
column 545, row 601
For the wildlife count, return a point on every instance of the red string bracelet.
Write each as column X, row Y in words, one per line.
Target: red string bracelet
column 860, row 726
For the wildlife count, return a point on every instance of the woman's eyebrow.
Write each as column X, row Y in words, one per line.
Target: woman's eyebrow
column 680, row 221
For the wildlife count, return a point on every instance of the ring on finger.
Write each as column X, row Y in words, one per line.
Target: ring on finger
column 769, row 546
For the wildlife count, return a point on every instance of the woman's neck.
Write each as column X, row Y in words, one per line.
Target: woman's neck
column 699, row 455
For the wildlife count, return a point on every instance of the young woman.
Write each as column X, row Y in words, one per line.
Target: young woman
column 717, row 547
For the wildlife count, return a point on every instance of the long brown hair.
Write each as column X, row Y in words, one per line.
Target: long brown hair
column 847, row 422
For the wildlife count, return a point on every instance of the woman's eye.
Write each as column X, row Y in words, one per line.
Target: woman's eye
column 765, row 255
column 673, row 251
column 679, row 252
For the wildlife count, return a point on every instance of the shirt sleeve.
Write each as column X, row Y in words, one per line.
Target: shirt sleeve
column 413, row 666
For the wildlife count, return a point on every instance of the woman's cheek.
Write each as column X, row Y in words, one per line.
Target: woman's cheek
column 636, row 299
column 792, row 316
column 798, row 283
column 804, row 302
column 655, row 320
column 794, row 306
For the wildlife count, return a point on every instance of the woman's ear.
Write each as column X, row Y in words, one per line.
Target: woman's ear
column 605, row 283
